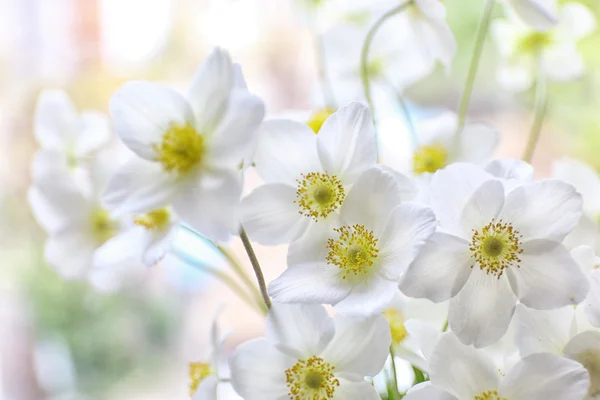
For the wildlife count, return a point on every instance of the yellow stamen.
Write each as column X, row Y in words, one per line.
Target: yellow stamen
column 181, row 150
column 496, row 248
column 318, row 118
column 489, row 395
column 102, row 226
column 354, row 251
column 319, row 194
column 534, row 42
column 198, row 372
column 311, row 379
column 154, row 220
column 429, row 158
column 396, row 321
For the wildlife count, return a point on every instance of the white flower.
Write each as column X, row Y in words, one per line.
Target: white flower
column 307, row 176
column 511, row 172
column 587, row 182
column 557, row 332
column 527, row 53
column 538, row 14
column 190, row 148
column 307, row 355
column 460, row 372
column 590, row 265
column 494, row 248
column 356, row 263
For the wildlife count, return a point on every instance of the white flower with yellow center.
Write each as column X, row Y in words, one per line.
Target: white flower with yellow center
column 527, row 53
column 189, row 148
column 308, row 355
column 308, row 176
column 494, row 248
column 356, row 264
column 557, row 332
column 460, row 372
column 589, row 263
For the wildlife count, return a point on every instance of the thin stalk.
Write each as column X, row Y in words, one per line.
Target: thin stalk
column 324, row 82
column 239, row 270
column 419, row 376
column 256, row 266
column 394, row 373
column 541, row 106
column 409, row 121
column 482, row 31
column 445, row 327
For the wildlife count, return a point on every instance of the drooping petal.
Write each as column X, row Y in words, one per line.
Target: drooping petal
column 460, row 370
column 536, row 13
column 548, row 277
column 210, row 202
column 360, row 345
column 258, row 371
column 483, row 207
column 355, row 390
column 56, row 121
column 511, row 171
column 371, row 296
column 347, row 142
column 481, row 313
column 545, row 376
column 139, row 186
column 304, row 328
column 585, row 349
column 440, row 270
column 142, row 112
column 542, row 331
column 426, row 391
column 95, row 133
column 270, row 216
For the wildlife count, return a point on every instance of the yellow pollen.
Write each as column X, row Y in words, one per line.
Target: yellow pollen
column 489, row 395
column 182, row 149
column 534, row 42
column 354, row 251
column 396, row 321
column 154, row 220
column 496, row 247
column 319, row 194
column 102, row 226
column 429, row 158
column 198, row 372
column 318, row 118
column 311, row 379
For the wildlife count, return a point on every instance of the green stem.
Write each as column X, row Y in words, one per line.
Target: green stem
column 394, row 373
column 366, row 48
column 472, row 74
column 419, row 376
column 445, row 327
column 326, row 89
column 256, row 266
column 239, row 270
column 541, row 106
column 409, row 121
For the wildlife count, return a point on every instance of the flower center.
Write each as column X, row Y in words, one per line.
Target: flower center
column 396, row 321
column 429, row 158
column 318, row 118
column 354, row 251
column 319, row 194
column 102, row 225
column 534, row 42
column 496, row 247
column 489, row 395
column 311, row 379
column 154, row 220
column 182, row 148
column 198, row 372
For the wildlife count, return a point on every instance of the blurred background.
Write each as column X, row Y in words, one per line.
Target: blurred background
column 63, row 340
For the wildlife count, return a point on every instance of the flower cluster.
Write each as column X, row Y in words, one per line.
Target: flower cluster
column 432, row 265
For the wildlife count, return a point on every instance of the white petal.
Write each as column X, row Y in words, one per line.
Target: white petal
column 258, row 371
column 536, row 13
column 406, row 231
column 286, row 150
column 159, row 245
column 593, row 301
column 462, row 370
column 425, row 391
column 360, row 345
column 347, row 143
column 542, row 331
column 586, row 233
column 210, row 90
column 440, row 270
column 516, row 76
column 481, row 313
column 308, row 329
column 207, row 390
column 577, row 20
column 49, row 166
column 585, row 349
column 425, row 334
column 121, row 251
column 545, row 376
column 548, row 276
column 139, row 186
column 95, row 133
column 547, row 209
column 563, row 63
column 371, row 296
column 583, row 177
column 54, row 208
column 585, row 257
column 510, row 169
column 270, row 216
column 210, row 202
column 56, row 121
column 350, row 390
column 70, row 251
column 483, row 207
column 142, row 112
column 477, row 143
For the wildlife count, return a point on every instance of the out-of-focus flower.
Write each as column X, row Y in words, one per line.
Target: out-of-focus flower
column 356, row 263
column 307, row 176
column 589, row 263
column 460, row 372
column 189, row 148
column 308, row 355
column 552, row 54
column 587, row 182
column 538, row 14
column 495, row 247
column 557, row 332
